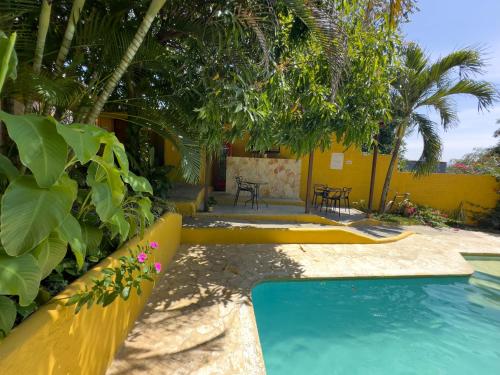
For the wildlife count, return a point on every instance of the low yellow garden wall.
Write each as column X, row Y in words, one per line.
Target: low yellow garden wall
column 189, row 208
column 237, row 235
column 56, row 341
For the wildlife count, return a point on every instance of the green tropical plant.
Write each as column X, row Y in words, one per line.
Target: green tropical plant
column 118, row 282
column 421, row 84
column 43, row 210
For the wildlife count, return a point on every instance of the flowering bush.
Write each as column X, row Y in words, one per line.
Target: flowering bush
column 120, row 280
column 481, row 161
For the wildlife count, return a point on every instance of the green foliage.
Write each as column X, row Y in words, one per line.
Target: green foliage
column 408, row 213
column 30, row 213
column 46, row 152
column 7, row 315
column 212, row 201
column 489, row 219
column 425, row 85
column 44, row 210
column 481, row 161
column 20, row 276
column 8, row 63
column 120, row 281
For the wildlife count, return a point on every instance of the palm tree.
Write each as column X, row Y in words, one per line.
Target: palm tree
column 422, row 85
column 68, row 34
column 43, row 27
column 112, row 82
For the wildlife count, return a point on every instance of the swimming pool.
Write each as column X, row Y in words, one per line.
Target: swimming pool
column 381, row 326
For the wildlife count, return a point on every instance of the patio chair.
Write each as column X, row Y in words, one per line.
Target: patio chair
column 334, row 196
column 243, row 186
column 329, row 198
column 345, row 197
column 318, row 190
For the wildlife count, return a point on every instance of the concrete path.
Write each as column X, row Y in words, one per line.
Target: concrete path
column 200, row 319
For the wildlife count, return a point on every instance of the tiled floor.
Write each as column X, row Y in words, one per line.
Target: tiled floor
column 200, row 319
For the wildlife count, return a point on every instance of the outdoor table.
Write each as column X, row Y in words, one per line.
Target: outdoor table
column 257, row 185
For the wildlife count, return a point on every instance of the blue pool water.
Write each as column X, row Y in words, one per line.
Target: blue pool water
column 380, row 326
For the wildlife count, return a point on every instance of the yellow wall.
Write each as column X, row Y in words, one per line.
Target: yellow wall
column 240, row 235
column 56, row 341
column 444, row 191
column 173, row 157
column 441, row 191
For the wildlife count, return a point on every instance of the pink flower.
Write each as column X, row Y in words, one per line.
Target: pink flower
column 158, row 267
column 153, row 245
column 142, row 257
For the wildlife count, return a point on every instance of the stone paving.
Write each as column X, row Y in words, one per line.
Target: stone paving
column 200, row 319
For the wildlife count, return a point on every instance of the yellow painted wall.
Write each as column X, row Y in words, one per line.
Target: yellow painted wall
column 444, row 191
column 240, row 235
column 441, row 191
column 56, row 341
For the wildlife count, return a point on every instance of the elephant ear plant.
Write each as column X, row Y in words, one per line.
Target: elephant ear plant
column 43, row 209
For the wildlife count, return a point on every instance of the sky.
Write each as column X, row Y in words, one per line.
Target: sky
column 440, row 27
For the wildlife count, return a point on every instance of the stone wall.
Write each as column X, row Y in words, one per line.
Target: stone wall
column 281, row 175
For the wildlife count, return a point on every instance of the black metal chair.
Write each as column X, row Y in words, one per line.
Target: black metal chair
column 345, row 197
column 318, row 190
column 329, row 197
column 334, row 196
column 243, row 186
column 340, row 195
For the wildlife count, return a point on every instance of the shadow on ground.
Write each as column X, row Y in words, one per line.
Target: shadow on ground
column 202, row 282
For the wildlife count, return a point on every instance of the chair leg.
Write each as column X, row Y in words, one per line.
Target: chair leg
column 236, row 197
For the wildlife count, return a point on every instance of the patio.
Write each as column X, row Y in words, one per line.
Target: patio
column 278, row 206
column 200, row 319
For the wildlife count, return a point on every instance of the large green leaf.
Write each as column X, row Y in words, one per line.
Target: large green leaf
column 20, row 276
column 145, row 209
column 109, row 174
column 7, row 168
column 108, row 189
column 119, row 225
column 137, row 183
column 40, row 146
column 85, row 140
column 92, row 236
column 49, row 253
column 71, row 232
column 7, row 315
column 119, row 151
column 8, row 58
column 30, row 213
column 102, row 198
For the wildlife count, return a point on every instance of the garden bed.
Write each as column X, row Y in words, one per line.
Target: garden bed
column 56, row 341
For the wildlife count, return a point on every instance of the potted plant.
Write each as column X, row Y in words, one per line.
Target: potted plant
column 211, row 203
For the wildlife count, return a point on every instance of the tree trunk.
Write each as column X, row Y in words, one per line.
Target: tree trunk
column 394, row 157
column 43, row 27
column 69, row 33
column 309, row 182
column 206, row 184
column 152, row 12
column 373, row 175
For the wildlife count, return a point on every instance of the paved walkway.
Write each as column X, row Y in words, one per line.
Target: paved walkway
column 200, row 319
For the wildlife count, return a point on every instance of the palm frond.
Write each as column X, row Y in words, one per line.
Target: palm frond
column 431, row 153
column 467, row 60
column 483, row 91
column 328, row 28
column 445, row 107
